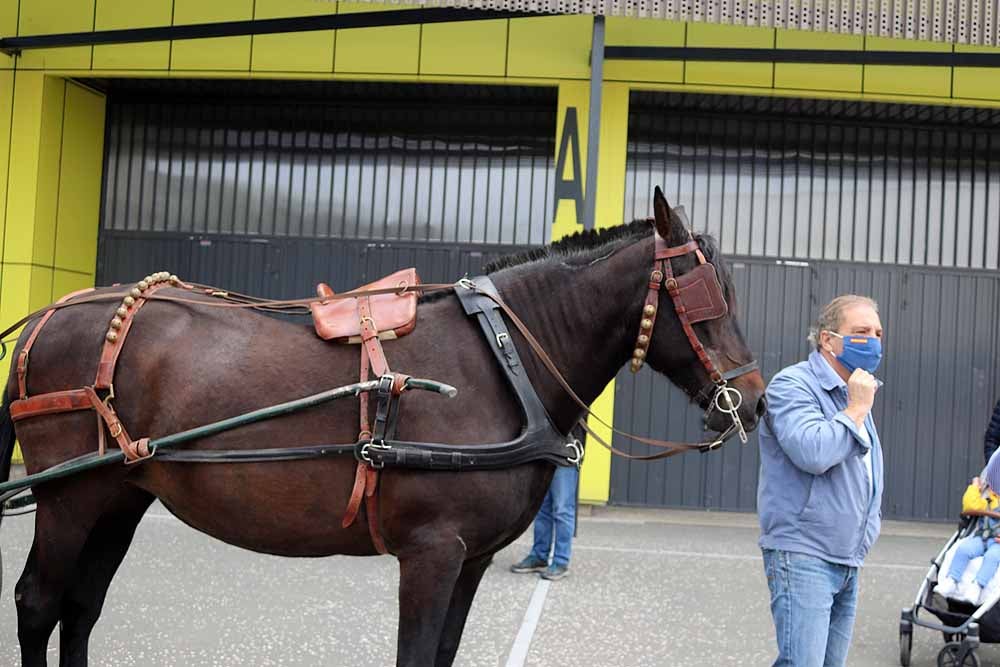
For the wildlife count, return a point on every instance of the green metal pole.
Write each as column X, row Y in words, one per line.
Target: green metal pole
column 91, row 461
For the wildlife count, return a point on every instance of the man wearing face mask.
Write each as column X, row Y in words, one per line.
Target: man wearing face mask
column 820, row 489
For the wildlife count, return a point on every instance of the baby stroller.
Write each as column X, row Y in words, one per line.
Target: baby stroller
column 963, row 625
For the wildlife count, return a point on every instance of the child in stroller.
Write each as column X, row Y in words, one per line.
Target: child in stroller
column 984, row 540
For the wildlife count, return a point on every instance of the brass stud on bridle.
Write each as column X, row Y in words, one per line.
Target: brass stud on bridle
column 649, row 310
column 646, row 324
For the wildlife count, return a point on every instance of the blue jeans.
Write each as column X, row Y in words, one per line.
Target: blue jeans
column 973, row 547
column 557, row 516
column 813, row 603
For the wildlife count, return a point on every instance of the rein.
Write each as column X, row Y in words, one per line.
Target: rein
column 726, row 399
column 233, row 300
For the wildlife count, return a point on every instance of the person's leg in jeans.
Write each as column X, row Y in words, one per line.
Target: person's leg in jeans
column 563, row 492
column 543, row 529
column 803, row 589
column 969, row 548
column 990, row 562
column 845, row 604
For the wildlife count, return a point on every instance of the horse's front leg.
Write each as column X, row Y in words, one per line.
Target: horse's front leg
column 427, row 576
column 458, row 610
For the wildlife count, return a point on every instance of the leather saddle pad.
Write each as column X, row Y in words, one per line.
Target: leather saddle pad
column 395, row 315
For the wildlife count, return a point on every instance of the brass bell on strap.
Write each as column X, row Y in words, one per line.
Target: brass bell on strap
column 649, row 310
column 122, row 311
column 135, row 293
column 646, row 324
column 111, row 336
column 116, row 323
column 129, row 301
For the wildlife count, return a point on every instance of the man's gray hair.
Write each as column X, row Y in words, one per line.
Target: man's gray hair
column 832, row 314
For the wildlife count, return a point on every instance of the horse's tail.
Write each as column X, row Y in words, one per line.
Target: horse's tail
column 6, row 441
column 6, row 454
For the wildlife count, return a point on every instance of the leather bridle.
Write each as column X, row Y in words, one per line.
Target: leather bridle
column 697, row 297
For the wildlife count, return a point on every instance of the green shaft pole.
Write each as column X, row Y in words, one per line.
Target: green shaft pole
column 91, row 461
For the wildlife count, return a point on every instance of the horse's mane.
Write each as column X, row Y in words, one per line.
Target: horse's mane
column 580, row 243
column 585, row 246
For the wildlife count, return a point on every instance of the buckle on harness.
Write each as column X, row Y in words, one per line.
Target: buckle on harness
column 364, row 453
column 577, row 458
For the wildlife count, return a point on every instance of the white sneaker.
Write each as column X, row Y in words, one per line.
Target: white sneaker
column 946, row 587
column 969, row 592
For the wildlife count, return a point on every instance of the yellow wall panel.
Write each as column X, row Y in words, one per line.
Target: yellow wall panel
column 845, row 78
column 294, row 51
column 8, row 26
column 25, row 288
column 623, row 31
column 34, row 106
column 977, row 83
column 45, row 17
column 6, row 107
column 80, row 180
column 392, row 50
column 895, row 80
column 551, row 46
column 40, row 293
column 726, row 73
column 49, row 154
column 476, row 48
column 64, row 282
column 217, row 53
column 15, row 293
column 120, row 14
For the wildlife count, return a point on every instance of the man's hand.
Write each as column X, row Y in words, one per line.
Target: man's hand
column 861, row 388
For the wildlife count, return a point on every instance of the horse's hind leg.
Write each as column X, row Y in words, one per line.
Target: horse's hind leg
column 103, row 553
column 461, row 601
column 61, row 531
column 426, row 580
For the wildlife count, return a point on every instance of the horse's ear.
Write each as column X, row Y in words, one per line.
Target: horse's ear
column 668, row 225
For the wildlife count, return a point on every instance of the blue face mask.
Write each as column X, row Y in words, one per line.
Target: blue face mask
column 864, row 352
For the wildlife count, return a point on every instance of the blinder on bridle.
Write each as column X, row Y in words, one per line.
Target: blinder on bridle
column 697, row 297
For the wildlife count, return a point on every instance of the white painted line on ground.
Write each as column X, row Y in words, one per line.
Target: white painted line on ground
column 519, row 650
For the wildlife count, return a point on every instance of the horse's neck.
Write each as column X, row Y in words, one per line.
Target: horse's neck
column 585, row 318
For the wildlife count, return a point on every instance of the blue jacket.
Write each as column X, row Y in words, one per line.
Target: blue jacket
column 814, row 495
column 992, row 439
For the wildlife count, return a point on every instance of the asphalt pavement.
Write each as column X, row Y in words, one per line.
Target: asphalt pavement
column 647, row 587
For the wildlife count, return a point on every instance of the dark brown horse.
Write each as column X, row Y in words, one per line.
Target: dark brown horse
column 186, row 365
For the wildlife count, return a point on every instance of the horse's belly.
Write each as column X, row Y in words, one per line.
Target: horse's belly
column 284, row 508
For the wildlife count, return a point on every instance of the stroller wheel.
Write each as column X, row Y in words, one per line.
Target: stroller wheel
column 950, row 654
column 905, row 645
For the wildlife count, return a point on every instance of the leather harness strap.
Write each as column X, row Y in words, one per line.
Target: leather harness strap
column 80, row 399
column 121, row 325
column 22, row 358
column 365, row 476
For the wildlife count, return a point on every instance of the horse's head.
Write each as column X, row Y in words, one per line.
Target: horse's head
column 689, row 330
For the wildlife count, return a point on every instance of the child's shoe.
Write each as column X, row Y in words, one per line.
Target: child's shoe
column 946, row 587
column 969, row 592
